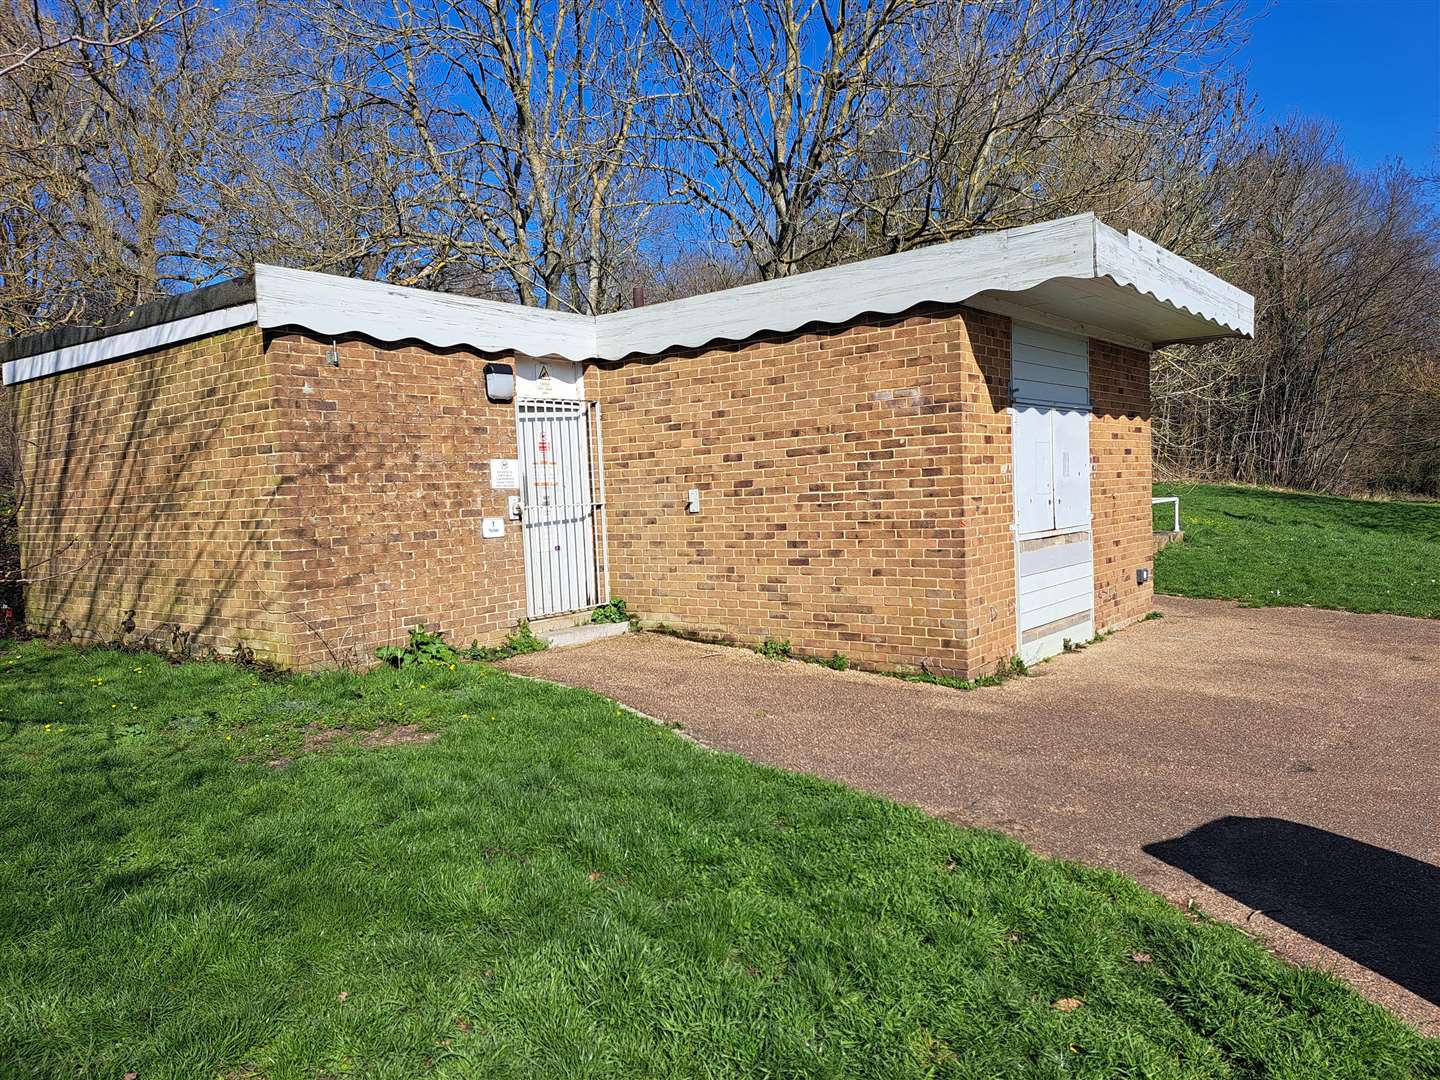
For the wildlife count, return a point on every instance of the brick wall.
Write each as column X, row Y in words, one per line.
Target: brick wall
column 1120, row 484
column 385, row 477
column 856, row 492
column 149, row 484
column 851, row 484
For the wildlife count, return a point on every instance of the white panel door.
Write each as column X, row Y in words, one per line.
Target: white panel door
column 1034, row 471
column 1070, row 442
column 1054, row 566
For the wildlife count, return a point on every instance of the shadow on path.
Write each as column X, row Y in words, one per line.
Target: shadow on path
column 1378, row 907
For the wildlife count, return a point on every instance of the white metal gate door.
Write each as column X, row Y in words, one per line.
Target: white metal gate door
column 562, row 493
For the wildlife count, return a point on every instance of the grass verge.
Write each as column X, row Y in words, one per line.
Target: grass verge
column 1284, row 548
column 553, row 886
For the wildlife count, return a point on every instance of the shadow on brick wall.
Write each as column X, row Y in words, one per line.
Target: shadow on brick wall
column 146, row 499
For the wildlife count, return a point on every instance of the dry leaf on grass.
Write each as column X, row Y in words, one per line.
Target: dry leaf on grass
column 1067, row 1004
column 1140, row 957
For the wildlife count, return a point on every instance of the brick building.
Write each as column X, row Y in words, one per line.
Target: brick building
column 939, row 458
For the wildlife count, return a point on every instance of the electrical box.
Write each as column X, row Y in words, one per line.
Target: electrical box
column 692, row 501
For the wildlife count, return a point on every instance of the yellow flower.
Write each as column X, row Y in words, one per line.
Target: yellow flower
column 114, row 706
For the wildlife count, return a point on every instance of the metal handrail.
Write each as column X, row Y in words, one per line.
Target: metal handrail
column 1173, row 499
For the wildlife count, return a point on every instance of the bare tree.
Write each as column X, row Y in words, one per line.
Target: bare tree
column 1334, row 390
column 774, row 102
column 809, row 131
column 527, row 127
column 31, row 33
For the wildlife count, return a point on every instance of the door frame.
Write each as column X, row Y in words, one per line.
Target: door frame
column 593, row 459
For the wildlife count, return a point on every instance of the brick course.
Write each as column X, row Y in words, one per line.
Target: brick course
column 384, row 479
column 1120, row 485
column 149, row 486
column 854, row 489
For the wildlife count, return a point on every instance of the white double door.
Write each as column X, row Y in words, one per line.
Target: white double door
column 1054, row 556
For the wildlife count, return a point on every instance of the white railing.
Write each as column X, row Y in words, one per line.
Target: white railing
column 1174, row 500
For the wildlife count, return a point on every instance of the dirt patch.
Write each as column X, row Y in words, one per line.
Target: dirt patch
column 318, row 737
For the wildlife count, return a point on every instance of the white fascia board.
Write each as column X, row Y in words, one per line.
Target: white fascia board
column 330, row 306
column 1013, row 260
column 992, row 271
column 1132, row 260
column 127, row 344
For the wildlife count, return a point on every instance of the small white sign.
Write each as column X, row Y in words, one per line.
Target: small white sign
column 492, row 527
column 504, row 474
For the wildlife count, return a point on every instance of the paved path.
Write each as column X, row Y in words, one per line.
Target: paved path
column 1279, row 767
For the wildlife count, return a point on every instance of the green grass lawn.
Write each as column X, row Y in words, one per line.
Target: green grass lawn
column 1285, row 548
column 556, row 887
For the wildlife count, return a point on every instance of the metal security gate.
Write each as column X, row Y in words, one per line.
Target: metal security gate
column 562, row 505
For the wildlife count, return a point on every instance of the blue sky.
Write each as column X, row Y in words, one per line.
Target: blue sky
column 1374, row 68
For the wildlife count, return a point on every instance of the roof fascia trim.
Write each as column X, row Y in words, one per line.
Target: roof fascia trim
column 127, row 344
column 223, row 294
column 332, row 306
column 1143, row 265
column 1011, row 260
column 968, row 271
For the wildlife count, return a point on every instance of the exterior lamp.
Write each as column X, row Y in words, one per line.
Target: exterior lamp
column 499, row 383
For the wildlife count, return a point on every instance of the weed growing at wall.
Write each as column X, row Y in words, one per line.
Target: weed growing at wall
column 774, row 649
column 519, row 641
column 423, row 649
column 612, row 612
column 1012, row 668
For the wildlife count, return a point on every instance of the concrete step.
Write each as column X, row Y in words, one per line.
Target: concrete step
column 570, row 637
column 552, row 623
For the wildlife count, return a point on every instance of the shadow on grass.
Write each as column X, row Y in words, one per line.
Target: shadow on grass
column 1374, row 905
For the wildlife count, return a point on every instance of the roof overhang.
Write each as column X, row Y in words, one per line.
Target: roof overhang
column 1074, row 273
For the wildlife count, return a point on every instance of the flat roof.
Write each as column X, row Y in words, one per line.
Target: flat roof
column 1074, row 273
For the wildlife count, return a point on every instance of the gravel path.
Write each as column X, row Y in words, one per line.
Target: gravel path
column 1279, row 767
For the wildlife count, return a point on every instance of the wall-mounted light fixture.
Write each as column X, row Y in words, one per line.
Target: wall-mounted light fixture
column 499, row 382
